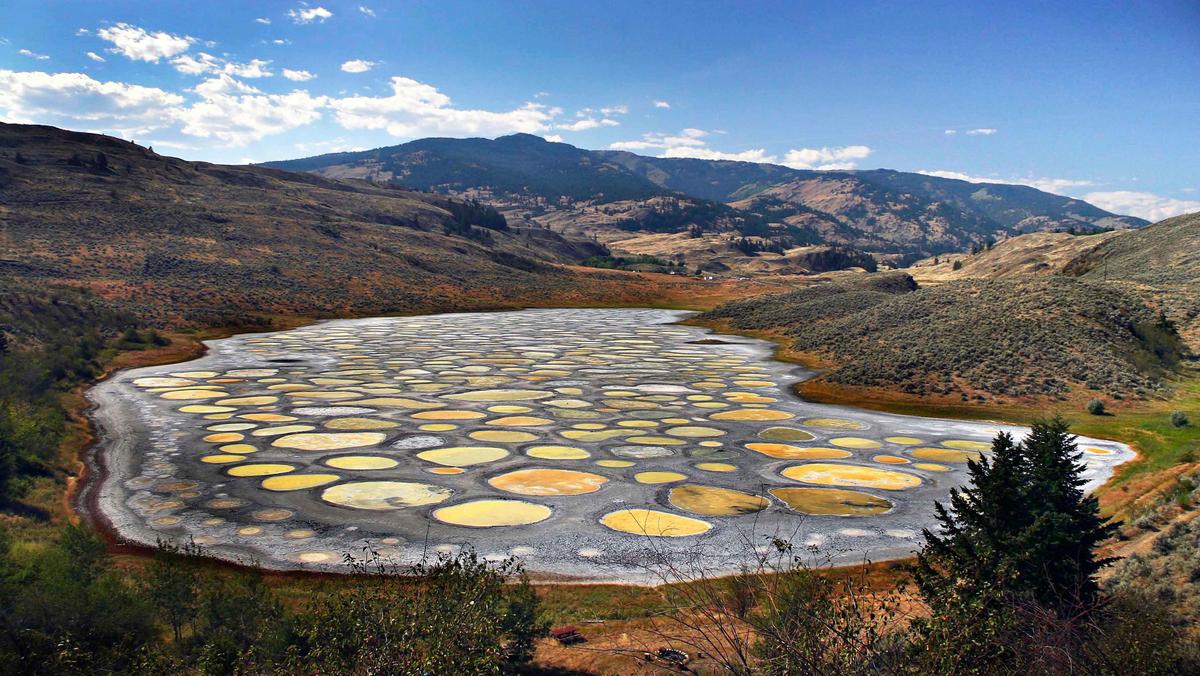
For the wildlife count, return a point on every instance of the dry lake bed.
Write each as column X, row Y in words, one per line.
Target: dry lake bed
column 593, row 444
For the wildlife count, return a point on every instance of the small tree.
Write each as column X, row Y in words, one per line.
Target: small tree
column 523, row 624
column 173, row 584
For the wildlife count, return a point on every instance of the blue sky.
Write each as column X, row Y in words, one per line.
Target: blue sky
column 1092, row 99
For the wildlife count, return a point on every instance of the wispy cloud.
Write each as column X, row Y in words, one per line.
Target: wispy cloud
column 33, row 55
column 95, row 57
column 692, row 142
column 661, row 104
column 588, row 123
column 204, row 63
column 981, row 131
column 305, row 14
column 297, row 75
column 263, row 20
column 1142, row 204
column 366, row 10
column 1057, row 186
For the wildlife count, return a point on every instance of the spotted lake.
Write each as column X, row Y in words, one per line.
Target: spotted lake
column 593, row 444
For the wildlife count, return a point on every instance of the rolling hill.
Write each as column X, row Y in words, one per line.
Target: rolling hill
column 998, row 340
column 1160, row 263
column 189, row 243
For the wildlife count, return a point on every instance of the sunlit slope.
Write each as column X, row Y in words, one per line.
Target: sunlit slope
column 198, row 243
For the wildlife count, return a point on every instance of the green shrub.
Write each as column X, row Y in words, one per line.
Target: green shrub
column 1095, row 407
column 1179, row 419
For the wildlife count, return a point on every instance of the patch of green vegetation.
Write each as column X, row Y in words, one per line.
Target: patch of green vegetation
column 626, row 262
column 580, row 603
column 50, row 341
column 67, row 609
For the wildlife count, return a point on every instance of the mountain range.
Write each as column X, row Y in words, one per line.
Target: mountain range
column 613, row 196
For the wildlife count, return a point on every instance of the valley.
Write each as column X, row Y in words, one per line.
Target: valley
column 335, row 277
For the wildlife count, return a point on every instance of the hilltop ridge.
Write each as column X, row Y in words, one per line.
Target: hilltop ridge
column 891, row 214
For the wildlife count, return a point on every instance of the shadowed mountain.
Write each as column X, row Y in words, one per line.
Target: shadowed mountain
column 885, row 212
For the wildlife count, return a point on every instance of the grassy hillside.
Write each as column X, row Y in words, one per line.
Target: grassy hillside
column 1037, row 253
column 996, row 340
column 178, row 242
column 1160, row 263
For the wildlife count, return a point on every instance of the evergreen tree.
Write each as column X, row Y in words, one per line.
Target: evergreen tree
column 1060, row 559
column 1016, row 546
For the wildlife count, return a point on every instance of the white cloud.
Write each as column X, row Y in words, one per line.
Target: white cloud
column 222, row 84
column 982, row 131
column 297, row 75
column 950, row 132
column 416, row 109
column 263, row 20
column 826, row 158
column 255, row 68
column 753, row 155
column 236, row 114
column 281, row 41
column 692, row 142
column 615, row 110
column 196, row 65
column 661, row 104
column 1057, row 186
column 227, row 110
column 554, row 138
column 203, row 63
column 82, row 31
column 690, row 137
column 588, row 123
column 137, row 44
column 1142, row 204
column 32, row 55
column 309, row 14
column 95, row 57
column 366, row 10
column 75, row 99
column 357, row 66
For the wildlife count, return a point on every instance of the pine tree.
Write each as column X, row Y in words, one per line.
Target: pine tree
column 969, row 557
column 1021, row 536
column 1060, row 558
